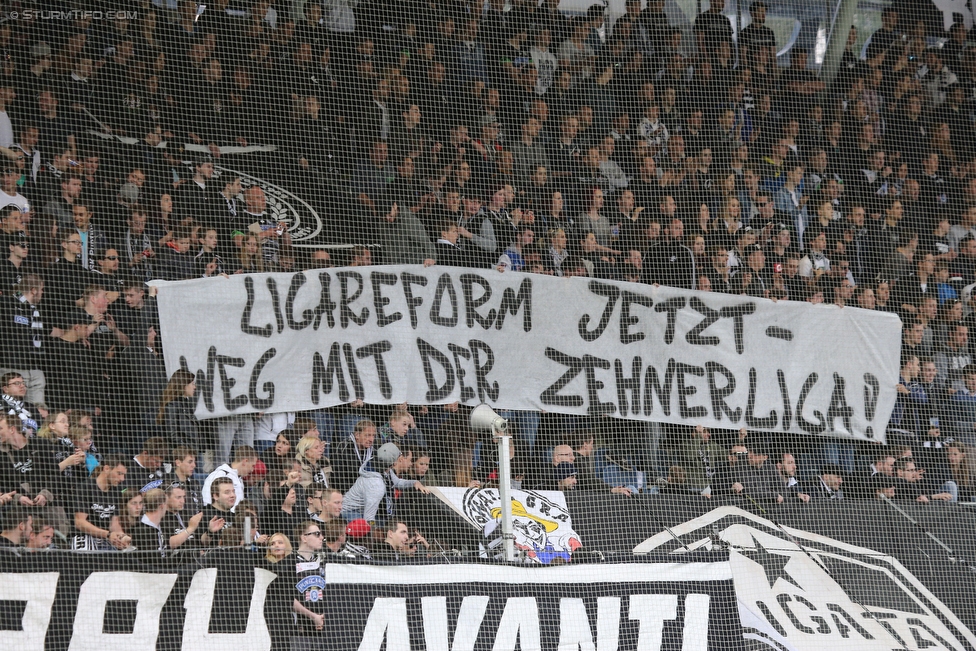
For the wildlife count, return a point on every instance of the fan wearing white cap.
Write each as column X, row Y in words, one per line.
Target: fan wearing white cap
column 374, row 491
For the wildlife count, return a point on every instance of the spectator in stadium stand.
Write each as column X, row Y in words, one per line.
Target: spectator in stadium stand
column 57, row 429
column 791, row 201
column 148, row 533
column 194, row 197
column 13, row 220
column 559, row 474
column 320, row 259
column 756, row 34
column 962, row 468
column 176, row 408
column 131, row 510
column 136, row 245
column 315, row 466
column 937, row 78
column 218, row 515
column 379, row 488
column 16, row 528
column 352, row 455
column 279, row 548
column 279, row 612
column 106, row 272
column 41, row 535
column 584, row 450
column 529, row 152
column 335, row 543
column 10, row 196
column 271, row 235
column 592, row 220
column 954, row 357
column 137, row 315
column 395, row 545
column 815, row 263
column 700, row 457
column 97, row 508
column 245, row 458
column 12, row 269
column 421, row 464
column 59, row 208
column 446, row 249
column 29, row 466
column 910, row 485
column 402, row 235
column 98, row 324
column 93, row 237
column 14, row 401
column 512, row 258
column 361, row 256
column 827, row 485
column 179, row 528
column 66, row 279
column 478, row 242
column 314, row 494
column 755, row 266
column 792, row 490
column 330, row 505
column 284, row 497
column 147, row 470
column 207, row 260
column 182, row 472
column 175, row 261
column 671, row 262
column 401, row 428
column 878, row 476
column 757, row 479
column 310, row 603
column 281, row 455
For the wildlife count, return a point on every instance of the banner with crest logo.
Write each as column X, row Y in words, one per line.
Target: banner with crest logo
column 542, row 524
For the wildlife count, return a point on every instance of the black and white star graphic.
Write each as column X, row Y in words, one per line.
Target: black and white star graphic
column 774, row 565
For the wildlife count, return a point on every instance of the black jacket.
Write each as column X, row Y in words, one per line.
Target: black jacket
column 671, row 263
column 22, row 335
column 30, row 470
column 180, row 422
column 347, row 459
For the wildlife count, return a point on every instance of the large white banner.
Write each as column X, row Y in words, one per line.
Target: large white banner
column 292, row 342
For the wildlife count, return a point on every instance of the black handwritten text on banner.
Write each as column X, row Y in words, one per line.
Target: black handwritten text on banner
column 290, row 342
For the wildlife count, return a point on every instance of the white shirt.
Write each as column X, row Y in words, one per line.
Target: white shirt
column 268, row 426
column 17, row 199
column 223, row 470
column 813, row 261
column 546, row 64
column 6, row 130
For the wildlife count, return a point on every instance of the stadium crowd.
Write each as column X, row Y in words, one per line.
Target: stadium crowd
column 526, row 140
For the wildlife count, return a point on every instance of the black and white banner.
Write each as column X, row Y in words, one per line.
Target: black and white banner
column 541, row 523
column 726, row 579
column 802, row 591
column 56, row 602
column 291, row 342
column 625, row 606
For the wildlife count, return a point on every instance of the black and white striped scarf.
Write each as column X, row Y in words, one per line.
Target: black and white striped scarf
column 15, row 407
column 37, row 326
